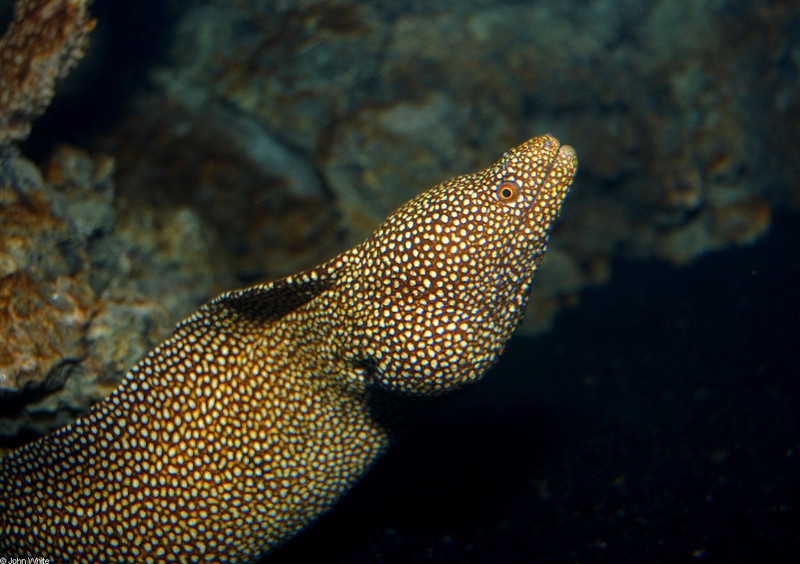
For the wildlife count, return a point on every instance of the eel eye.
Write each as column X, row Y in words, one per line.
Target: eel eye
column 508, row 192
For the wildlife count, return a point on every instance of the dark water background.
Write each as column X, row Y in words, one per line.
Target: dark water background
column 658, row 422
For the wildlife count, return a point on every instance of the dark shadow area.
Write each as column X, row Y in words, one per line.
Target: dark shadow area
column 129, row 40
column 6, row 13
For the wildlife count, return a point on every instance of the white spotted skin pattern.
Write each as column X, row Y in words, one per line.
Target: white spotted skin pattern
column 252, row 419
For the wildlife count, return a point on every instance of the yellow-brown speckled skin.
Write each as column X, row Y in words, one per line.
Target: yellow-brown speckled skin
column 253, row 418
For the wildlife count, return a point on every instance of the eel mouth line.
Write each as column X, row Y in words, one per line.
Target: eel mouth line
column 564, row 156
column 552, row 161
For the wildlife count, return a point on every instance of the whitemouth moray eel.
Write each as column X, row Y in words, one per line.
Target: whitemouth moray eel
column 255, row 415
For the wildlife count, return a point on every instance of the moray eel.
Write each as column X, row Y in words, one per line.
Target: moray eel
column 254, row 417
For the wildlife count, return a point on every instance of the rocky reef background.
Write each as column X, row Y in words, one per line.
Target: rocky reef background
column 200, row 146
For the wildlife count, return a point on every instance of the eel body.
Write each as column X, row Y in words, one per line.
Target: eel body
column 255, row 415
